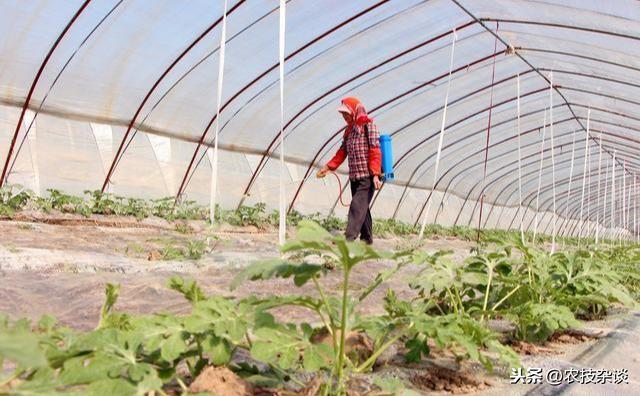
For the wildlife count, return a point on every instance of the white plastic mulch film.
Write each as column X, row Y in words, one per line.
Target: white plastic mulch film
column 123, row 95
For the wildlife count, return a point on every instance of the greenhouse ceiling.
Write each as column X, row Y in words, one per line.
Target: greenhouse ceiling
column 541, row 101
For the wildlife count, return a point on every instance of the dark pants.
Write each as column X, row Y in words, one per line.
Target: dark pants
column 360, row 222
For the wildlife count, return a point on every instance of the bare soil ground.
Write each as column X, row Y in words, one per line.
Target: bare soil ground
column 59, row 265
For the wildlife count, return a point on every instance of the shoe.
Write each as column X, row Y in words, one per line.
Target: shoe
column 367, row 241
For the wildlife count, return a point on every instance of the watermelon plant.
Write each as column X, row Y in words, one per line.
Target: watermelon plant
column 337, row 314
column 130, row 354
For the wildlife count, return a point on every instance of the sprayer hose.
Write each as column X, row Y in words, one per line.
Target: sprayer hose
column 340, row 190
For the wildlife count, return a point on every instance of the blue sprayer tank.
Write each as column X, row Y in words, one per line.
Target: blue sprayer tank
column 387, row 157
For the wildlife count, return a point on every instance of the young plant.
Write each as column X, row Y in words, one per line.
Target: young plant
column 336, row 315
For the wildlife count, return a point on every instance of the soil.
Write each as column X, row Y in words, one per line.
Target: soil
column 444, row 379
column 62, row 269
column 556, row 344
column 221, row 381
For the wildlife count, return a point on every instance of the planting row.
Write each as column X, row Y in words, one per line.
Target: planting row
column 452, row 306
column 14, row 199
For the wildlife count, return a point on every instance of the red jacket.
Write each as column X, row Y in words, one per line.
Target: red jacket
column 359, row 151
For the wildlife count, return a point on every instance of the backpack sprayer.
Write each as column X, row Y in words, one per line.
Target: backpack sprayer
column 386, row 149
column 387, row 157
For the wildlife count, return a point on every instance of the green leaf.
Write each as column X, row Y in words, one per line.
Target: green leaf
column 173, row 346
column 218, row 350
column 189, row 289
column 393, row 386
column 104, row 387
column 317, row 357
column 280, row 346
column 111, row 296
column 277, row 268
column 417, row 348
column 22, row 349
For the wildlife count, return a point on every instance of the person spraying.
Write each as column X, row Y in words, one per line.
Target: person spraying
column 361, row 147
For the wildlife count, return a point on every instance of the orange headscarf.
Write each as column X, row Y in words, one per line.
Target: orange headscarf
column 357, row 110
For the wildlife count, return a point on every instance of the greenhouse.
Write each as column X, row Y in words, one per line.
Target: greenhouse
column 298, row 197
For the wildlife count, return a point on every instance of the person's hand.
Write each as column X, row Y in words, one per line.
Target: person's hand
column 376, row 182
column 323, row 172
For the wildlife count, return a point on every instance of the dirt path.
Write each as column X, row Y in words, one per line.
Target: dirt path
column 62, row 269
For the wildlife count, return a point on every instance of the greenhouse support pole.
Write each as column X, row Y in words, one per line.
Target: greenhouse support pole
column 566, row 211
column 441, row 137
column 213, row 158
column 519, row 161
column 598, row 192
column 623, row 196
column 632, row 210
column 584, row 175
column 613, row 194
column 604, row 204
column 629, row 229
column 282, row 221
column 544, row 130
column 587, row 219
column 628, row 205
column 486, row 148
column 635, row 209
column 553, row 166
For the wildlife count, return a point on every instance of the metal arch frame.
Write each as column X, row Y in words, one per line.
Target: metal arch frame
column 586, row 91
column 186, row 177
column 583, row 106
column 333, row 136
column 575, row 208
column 596, row 182
column 575, row 55
column 545, row 204
column 465, row 118
column 546, row 188
column 499, row 179
column 537, row 171
column 599, row 109
column 267, row 152
column 554, row 25
column 534, row 173
column 431, row 136
column 406, row 186
column 55, row 81
column 570, row 229
column 569, row 215
column 120, row 151
column 528, row 71
column 527, row 62
column 594, row 76
column 545, row 168
column 493, row 145
column 552, row 52
column 561, row 105
column 184, row 75
column 613, row 143
column 34, row 83
column 524, row 60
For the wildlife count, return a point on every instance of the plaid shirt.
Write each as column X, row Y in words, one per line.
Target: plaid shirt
column 357, row 149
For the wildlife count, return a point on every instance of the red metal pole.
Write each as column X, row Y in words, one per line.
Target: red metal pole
column 25, row 105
